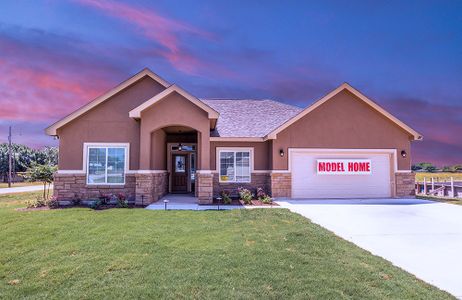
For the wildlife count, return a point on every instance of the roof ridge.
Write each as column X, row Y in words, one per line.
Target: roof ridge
column 230, row 99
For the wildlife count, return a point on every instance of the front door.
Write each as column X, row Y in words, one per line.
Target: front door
column 180, row 173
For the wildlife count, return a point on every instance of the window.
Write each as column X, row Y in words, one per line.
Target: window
column 234, row 166
column 180, row 166
column 106, row 165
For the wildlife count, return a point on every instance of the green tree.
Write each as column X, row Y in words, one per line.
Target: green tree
column 458, row 168
column 24, row 157
column 424, row 167
column 44, row 174
column 47, row 156
column 450, row 169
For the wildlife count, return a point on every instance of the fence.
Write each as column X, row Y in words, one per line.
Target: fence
column 432, row 187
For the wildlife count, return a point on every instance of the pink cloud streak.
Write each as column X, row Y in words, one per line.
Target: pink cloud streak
column 29, row 94
column 158, row 28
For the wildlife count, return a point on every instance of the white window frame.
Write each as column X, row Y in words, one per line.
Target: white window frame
column 234, row 149
column 86, row 157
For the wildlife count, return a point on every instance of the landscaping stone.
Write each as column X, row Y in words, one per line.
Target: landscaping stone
column 65, row 203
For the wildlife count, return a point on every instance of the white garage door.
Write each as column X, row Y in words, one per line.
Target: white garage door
column 308, row 181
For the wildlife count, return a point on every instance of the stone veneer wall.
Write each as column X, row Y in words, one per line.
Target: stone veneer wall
column 281, row 185
column 150, row 187
column 204, row 187
column 70, row 186
column 141, row 188
column 257, row 180
column 405, row 184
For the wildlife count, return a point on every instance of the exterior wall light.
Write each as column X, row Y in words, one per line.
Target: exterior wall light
column 281, row 152
column 403, row 153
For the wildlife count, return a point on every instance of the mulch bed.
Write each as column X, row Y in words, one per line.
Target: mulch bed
column 238, row 202
column 257, row 202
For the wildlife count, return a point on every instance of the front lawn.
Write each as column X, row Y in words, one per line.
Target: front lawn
column 450, row 200
column 438, row 177
column 134, row 253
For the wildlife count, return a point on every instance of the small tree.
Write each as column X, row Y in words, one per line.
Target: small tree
column 424, row 166
column 44, row 174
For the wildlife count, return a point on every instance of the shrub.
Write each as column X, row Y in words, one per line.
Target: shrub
column 96, row 204
column 245, row 195
column 122, row 201
column 52, row 202
column 263, row 197
column 34, row 203
column 105, row 198
column 226, row 197
column 266, row 199
column 260, row 193
column 76, row 200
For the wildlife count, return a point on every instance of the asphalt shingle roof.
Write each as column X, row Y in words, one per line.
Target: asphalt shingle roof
column 248, row 117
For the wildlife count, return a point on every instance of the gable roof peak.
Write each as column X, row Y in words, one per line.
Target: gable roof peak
column 136, row 112
column 52, row 130
column 359, row 95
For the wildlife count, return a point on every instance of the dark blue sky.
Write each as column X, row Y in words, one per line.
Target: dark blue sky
column 406, row 55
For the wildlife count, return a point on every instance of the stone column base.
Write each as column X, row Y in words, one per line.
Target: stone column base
column 150, row 187
column 405, row 184
column 281, row 185
column 204, row 188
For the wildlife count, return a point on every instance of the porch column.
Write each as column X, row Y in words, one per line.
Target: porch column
column 204, row 176
column 145, row 147
column 203, row 141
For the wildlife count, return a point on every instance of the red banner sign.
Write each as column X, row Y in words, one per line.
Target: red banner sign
column 344, row 166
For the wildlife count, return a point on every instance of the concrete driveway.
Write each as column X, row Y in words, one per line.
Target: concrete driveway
column 422, row 237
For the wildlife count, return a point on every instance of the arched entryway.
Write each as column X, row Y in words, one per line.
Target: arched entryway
column 175, row 149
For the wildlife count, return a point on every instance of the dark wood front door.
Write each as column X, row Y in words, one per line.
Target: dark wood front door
column 180, row 173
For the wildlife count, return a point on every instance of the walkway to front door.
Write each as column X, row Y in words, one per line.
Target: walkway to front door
column 186, row 202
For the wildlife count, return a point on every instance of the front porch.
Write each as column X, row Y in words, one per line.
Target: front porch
column 186, row 202
column 175, row 161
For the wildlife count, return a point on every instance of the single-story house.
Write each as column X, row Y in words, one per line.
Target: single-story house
column 146, row 138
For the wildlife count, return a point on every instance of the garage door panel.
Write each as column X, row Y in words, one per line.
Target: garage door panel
column 306, row 183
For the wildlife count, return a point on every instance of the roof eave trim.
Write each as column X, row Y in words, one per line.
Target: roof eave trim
column 136, row 112
column 236, row 139
column 52, row 130
column 344, row 86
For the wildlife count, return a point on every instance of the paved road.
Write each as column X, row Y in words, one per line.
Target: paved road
column 422, row 237
column 22, row 189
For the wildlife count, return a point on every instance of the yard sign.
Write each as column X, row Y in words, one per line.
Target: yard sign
column 344, row 166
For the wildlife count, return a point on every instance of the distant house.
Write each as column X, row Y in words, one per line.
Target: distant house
column 147, row 137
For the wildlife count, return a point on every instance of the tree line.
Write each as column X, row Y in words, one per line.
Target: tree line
column 24, row 157
column 429, row 167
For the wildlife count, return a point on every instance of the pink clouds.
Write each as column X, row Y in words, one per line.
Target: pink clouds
column 36, row 95
column 40, row 84
column 166, row 32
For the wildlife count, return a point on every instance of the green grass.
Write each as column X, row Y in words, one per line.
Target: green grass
column 419, row 177
column 450, row 200
column 134, row 253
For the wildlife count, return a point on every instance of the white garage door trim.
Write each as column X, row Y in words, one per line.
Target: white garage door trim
column 390, row 153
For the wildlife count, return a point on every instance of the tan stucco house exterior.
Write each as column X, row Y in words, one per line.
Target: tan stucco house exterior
column 148, row 137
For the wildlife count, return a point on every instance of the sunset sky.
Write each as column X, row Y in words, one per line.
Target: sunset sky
column 406, row 55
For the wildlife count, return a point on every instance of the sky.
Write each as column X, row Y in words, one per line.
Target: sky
column 55, row 56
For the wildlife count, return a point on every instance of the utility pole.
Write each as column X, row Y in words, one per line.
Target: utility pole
column 9, row 157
